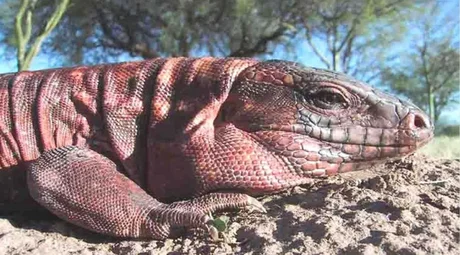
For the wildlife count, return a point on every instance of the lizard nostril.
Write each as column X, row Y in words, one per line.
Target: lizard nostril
column 420, row 122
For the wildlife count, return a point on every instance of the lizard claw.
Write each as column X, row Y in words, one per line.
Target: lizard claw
column 209, row 227
column 198, row 212
column 255, row 206
column 213, row 232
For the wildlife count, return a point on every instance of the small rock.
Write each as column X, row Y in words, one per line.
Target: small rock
column 402, row 230
column 5, row 226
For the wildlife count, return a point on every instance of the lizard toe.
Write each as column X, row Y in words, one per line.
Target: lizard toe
column 197, row 212
column 255, row 206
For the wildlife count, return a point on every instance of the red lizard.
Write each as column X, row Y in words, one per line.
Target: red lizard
column 137, row 149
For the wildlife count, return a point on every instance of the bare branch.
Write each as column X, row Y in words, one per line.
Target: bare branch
column 315, row 50
column 260, row 46
column 20, row 38
column 25, row 56
column 142, row 49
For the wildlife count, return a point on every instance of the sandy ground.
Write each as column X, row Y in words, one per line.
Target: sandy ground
column 404, row 207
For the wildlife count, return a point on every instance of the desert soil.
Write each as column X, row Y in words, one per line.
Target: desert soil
column 409, row 206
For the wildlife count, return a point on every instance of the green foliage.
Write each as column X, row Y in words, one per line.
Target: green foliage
column 352, row 35
column 23, row 31
column 429, row 74
column 221, row 223
column 102, row 30
column 443, row 147
column 358, row 37
column 449, row 130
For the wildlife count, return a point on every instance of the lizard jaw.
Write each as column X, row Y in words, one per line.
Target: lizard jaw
column 313, row 156
column 364, row 142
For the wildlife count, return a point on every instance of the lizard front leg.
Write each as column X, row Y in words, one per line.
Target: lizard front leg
column 85, row 188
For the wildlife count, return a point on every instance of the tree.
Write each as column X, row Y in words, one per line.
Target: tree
column 352, row 36
column 101, row 30
column 429, row 76
column 27, row 49
column 94, row 31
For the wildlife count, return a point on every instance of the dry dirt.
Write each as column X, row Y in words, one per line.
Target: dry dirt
column 410, row 207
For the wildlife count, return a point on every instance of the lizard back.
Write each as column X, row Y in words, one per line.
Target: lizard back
column 114, row 109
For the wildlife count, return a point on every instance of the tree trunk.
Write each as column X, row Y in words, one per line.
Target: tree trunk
column 431, row 106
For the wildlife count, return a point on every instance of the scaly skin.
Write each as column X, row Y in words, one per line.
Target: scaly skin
column 139, row 149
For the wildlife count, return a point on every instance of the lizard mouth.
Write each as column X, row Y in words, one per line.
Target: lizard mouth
column 315, row 156
column 358, row 135
column 341, row 144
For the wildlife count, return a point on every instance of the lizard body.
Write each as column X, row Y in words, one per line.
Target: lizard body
column 136, row 149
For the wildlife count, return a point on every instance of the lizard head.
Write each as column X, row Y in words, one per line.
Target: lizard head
column 320, row 122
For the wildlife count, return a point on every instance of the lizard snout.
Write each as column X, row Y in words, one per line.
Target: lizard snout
column 416, row 120
column 419, row 126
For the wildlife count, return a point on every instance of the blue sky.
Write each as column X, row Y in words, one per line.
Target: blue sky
column 308, row 58
column 302, row 53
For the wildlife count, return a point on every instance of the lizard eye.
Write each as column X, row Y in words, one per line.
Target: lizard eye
column 329, row 99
